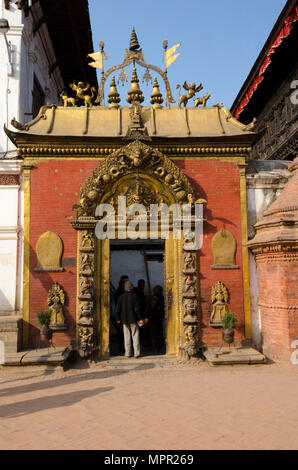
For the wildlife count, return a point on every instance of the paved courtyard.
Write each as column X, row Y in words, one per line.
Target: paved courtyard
column 149, row 404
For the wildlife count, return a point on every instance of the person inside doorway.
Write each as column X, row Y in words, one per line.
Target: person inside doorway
column 156, row 314
column 158, row 292
column 119, row 291
column 128, row 312
column 139, row 290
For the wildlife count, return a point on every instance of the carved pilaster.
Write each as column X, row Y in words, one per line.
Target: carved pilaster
column 190, row 301
column 86, row 321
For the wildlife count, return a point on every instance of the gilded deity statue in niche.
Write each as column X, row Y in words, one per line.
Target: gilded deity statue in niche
column 56, row 301
column 219, row 299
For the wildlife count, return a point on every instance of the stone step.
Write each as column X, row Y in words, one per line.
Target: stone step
column 234, row 355
column 43, row 356
column 131, row 362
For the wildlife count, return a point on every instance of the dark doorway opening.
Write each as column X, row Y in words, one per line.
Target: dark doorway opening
column 139, row 260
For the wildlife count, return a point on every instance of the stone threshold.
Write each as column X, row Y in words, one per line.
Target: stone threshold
column 233, row 355
column 130, row 362
column 43, row 356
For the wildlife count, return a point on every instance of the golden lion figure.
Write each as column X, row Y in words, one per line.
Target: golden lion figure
column 191, row 89
column 80, row 89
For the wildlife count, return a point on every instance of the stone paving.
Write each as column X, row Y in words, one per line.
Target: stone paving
column 152, row 403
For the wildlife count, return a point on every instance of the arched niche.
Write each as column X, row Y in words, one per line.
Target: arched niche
column 223, row 247
column 49, row 249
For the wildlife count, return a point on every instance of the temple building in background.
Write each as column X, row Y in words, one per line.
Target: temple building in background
column 44, row 45
column 269, row 96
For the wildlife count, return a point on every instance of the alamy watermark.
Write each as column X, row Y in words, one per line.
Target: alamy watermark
column 137, row 222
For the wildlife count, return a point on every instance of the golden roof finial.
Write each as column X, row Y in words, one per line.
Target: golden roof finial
column 113, row 96
column 135, row 94
column 156, row 96
column 134, row 43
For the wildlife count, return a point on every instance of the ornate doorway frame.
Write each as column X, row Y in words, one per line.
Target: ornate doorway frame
column 145, row 175
column 173, row 295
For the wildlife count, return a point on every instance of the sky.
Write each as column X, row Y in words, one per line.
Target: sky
column 220, row 40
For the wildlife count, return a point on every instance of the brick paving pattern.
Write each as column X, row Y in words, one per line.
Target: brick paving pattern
column 149, row 404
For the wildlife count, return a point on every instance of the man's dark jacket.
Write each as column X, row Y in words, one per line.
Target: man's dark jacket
column 128, row 308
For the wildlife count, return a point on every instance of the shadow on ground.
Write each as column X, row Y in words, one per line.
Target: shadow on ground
column 70, row 380
column 27, row 407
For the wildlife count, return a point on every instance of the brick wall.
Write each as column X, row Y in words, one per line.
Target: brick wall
column 277, row 277
column 219, row 183
column 55, row 187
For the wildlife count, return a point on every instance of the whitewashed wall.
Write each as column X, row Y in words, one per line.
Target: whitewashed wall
column 30, row 55
column 9, row 239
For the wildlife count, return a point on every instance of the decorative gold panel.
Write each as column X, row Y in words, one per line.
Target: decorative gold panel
column 223, row 247
column 49, row 249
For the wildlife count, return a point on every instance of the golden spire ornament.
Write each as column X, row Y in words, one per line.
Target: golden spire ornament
column 134, row 43
column 156, row 96
column 135, row 94
column 113, row 96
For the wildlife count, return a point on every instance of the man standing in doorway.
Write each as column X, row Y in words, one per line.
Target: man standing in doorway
column 128, row 312
column 120, row 289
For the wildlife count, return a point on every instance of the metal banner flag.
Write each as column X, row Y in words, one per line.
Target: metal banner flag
column 169, row 57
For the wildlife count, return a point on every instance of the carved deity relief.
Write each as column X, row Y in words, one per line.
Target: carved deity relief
column 189, row 286
column 191, row 347
column 87, row 242
column 219, row 299
column 86, row 341
column 86, row 288
column 56, row 301
column 189, row 262
column 139, row 193
column 86, row 313
column 87, row 264
column 190, row 311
